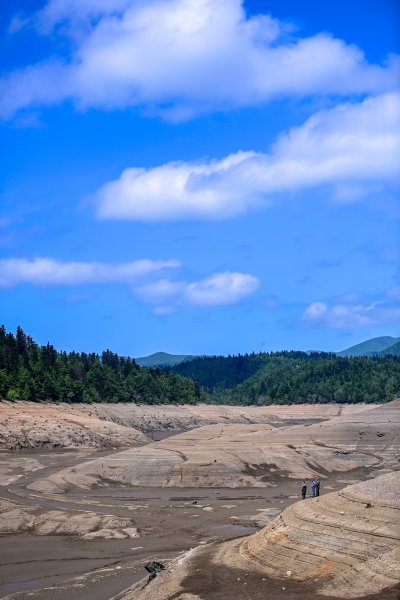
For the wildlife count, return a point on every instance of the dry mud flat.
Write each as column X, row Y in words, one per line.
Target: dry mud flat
column 31, row 425
column 79, row 545
column 342, row 545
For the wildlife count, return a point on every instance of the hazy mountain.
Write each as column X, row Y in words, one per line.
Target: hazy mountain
column 370, row 347
column 162, row 359
column 393, row 350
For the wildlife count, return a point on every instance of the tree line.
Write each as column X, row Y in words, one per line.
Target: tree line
column 292, row 377
column 42, row 374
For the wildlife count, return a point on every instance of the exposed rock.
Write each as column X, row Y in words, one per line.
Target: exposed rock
column 349, row 555
column 153, row 568
column 331, row 545
column 15, row 518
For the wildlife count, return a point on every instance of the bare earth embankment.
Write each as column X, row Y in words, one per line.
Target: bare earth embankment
column 32, row 425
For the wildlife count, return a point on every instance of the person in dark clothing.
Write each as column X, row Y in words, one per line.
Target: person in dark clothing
column 317, row 484
column 304, row 490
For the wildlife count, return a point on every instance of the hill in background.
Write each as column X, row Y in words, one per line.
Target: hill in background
column 370, row 347
column 163, row 359
column 392, row 350
column 378, row 346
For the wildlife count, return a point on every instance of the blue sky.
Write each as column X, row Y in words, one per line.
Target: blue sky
column 200, row 176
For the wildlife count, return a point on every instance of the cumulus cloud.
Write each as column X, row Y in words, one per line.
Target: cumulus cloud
column 179, row 190
column 219, row 289
column 47, row 271
column 160, row 292
column 352, row 147
column 179, row 58
column 350, row 316
column 142, row 276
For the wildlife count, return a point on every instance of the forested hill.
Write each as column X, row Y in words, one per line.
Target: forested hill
column 295, row 377
column 41, row 374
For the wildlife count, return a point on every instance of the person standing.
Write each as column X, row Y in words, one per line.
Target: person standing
column 313, row 484
column 304, row 490
column 317, row 484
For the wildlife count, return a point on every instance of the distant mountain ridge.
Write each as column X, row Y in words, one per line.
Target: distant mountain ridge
column 163, row 359
column 372, row 347
column 378, row 346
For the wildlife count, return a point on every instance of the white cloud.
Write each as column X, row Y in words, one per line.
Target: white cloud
column 350, row 193
column 350, row 316
column 219, row 289
column 159, row 292
column 47, row 271
column 77, row 11
column 178, row 190
column 179, row 58
column 165, row 295
column 352, row 147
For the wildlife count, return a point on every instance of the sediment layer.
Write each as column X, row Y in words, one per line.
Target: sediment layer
column 247, row 455
column 33, row 425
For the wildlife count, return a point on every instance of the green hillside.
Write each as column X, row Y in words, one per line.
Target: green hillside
column 295, row 377
column 370, row 347
column 392, row 350
column 162, row 359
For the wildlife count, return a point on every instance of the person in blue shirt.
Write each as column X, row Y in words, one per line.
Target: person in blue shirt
column 313, row 486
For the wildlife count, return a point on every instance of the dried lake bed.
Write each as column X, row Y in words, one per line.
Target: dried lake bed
column 81, row 523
